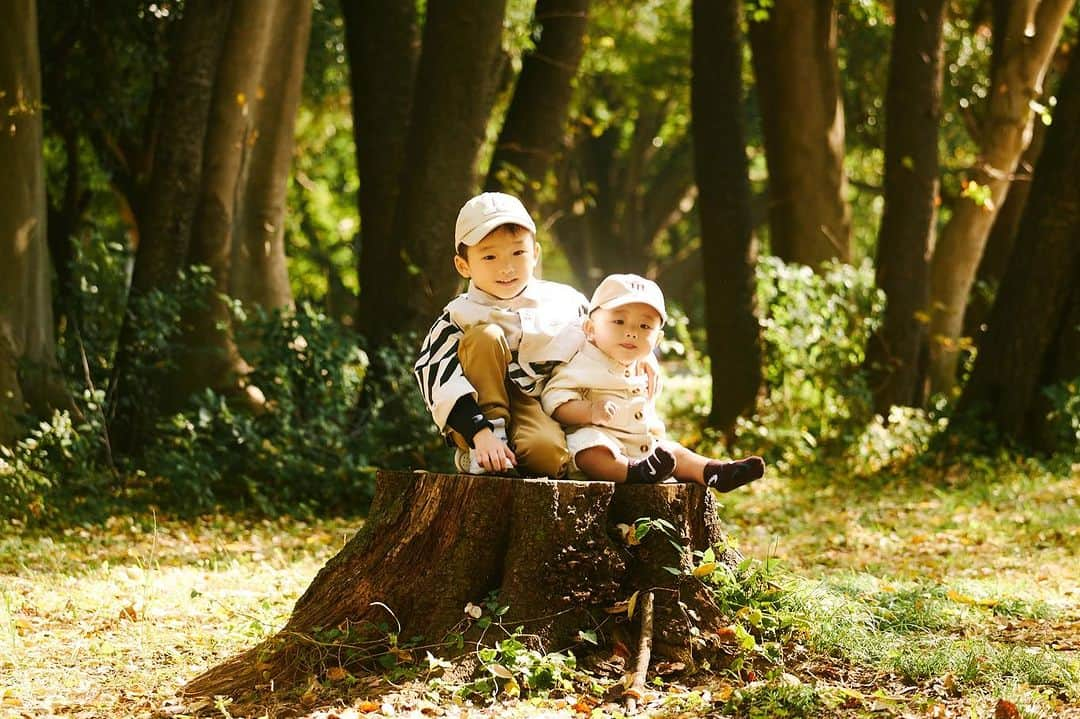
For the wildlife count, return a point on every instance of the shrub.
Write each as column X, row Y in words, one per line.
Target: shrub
column 308, row 446
column 814, row 331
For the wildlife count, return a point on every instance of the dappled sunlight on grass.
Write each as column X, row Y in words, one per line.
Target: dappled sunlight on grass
column 112, row 620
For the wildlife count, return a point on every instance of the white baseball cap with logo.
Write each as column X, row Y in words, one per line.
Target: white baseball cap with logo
column 619, row 290
column 485, row 212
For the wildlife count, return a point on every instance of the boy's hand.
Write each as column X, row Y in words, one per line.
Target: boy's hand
column 491, row 452
column 601, row 411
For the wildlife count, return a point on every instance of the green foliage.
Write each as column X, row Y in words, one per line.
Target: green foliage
column 57, row 467
column 1065, row 413
column 814, row 332
column 513, row 668
column 303, row 447
column 155, row 324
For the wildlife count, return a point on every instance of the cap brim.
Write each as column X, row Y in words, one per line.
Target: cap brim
column 630, row 300
column 500, row 218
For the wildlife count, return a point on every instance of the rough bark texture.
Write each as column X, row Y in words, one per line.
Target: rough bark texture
column 535, row 121
column 794, row 58
column 452, row 103
column 1003, row 137
column 1002, row 238
column 382, row 40
column 727, row 239
column 1033, row 337
column 258, row 274
column 27, row 347
column 173, row 192
column 212, row 359
column 433, row 543
column 913, row 113
column 172, row 197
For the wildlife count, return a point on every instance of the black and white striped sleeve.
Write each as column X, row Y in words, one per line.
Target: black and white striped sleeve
column 438, row 370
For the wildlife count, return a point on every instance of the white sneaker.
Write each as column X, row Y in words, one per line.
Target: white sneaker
column 465, row 458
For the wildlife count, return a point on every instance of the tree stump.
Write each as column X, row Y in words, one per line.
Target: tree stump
column 549, row 550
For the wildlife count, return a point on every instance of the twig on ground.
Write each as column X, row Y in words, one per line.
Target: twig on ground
column 636, row 689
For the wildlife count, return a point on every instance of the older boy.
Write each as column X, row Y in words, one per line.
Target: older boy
column 487, row 356
column 614, row 433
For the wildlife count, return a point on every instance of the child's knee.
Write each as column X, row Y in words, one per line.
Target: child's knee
column 483, row 336
column 542, row 455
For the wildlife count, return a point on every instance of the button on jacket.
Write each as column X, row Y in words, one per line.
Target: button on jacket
column 593, row 375
column 542, row 325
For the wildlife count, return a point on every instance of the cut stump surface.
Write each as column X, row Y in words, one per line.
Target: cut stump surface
column 549, row 550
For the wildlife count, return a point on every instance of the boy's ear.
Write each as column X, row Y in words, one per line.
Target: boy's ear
column 587, row 327
column 462, row 266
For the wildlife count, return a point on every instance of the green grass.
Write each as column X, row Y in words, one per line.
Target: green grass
column 935, row 591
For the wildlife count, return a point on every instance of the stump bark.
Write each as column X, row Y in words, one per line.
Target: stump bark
column 549, row 550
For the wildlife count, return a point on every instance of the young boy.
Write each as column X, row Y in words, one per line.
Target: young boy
column 613, row 431
column 485, row 359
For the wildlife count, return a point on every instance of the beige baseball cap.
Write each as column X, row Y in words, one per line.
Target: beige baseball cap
column 485, row 212
column 618, row 290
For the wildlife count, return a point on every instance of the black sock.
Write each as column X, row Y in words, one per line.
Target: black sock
column 727, row 476
column 656, row 467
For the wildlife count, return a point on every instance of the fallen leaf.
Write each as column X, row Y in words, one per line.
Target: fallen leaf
column 367, row 706
column 705, row 569
column 500, row 671
column 1005, row 709
column 336, row 674
column 630, row 605
column 666, row 668
column 129, row 613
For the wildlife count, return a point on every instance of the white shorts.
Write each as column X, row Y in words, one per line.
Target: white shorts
column 632, row 446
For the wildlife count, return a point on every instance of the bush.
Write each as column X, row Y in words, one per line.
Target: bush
column 57, row 467
column 814, row 330
column 305, row 447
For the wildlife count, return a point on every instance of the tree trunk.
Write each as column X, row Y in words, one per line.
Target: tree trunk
column 1003, row 137
column 172, row 198
column 1002, row 238
column 212, row 358
column 434, row 543
column 913, row 113
column 259, row 274
column 450, row 113
column 382, row 42
column 536, row 119
column 794, row 58
column 1033, row 330
column 28, row 375
column 727, row 238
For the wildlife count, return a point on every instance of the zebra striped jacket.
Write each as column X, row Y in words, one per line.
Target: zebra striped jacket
column 542, row 326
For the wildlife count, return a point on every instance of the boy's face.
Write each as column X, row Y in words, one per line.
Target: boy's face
column 501, row 264
column 626, row 334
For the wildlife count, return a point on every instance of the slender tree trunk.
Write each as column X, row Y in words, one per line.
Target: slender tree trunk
column 28, row 376
column 794, row 58
column 172, row 198
column 1002, row 238
column 258, row 274
column 535, row 121
column 727, row 239
column 450, row 113
column 1031, row 37
column 1033, row 330
column 382, row 41
column 913, row 113
column 212, row 358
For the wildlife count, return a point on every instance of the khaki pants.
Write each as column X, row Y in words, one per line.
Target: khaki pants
column 537, row 440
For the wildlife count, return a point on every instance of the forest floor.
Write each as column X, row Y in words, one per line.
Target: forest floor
column 950, row 593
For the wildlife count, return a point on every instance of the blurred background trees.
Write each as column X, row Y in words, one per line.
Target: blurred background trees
column 221, row 222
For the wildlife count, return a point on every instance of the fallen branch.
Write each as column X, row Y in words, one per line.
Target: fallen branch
column 641, row 667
